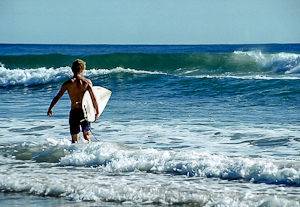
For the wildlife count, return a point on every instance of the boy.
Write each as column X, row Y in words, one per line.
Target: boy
column 76, row 88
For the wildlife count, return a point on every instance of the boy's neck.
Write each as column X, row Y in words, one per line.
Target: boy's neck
column 79, row 75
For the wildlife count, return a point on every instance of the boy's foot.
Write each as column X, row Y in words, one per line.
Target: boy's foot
column 87, row 136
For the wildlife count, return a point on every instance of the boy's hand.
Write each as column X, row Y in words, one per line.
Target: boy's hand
column 97, row 115
column 50, row 113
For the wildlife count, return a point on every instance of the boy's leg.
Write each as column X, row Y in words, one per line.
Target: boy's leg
column 74, row 125
column 87, row 135
column 75, row 138
column 86, row 130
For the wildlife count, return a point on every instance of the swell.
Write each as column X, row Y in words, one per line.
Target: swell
column 204, row 63
column 250, row 86
column 138, row 61
column 43, row 69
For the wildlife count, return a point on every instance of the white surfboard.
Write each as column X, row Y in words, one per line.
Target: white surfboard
column 102, row 97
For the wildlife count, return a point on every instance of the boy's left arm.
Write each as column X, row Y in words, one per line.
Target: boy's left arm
column 56, row 98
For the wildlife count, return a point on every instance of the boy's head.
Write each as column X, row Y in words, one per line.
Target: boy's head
column 78, row 66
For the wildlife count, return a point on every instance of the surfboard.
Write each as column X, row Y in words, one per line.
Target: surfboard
column 102, row 97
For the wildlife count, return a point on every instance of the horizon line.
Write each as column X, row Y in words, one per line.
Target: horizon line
column 151, row 44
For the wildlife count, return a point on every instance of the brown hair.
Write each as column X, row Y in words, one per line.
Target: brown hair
column 78, row 66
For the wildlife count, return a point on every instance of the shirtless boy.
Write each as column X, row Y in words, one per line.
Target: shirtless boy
column 76, row 88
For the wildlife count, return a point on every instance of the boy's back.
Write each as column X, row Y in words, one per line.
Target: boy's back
column 76, row 88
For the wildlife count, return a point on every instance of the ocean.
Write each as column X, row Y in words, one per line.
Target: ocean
column 187, row 125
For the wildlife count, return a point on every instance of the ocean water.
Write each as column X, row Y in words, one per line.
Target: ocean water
column 199, row 125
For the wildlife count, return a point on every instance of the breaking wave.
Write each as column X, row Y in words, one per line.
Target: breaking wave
column 28, row 77
column 31, row 77
column 116, row 158
column 238, row 61
column 288, row 63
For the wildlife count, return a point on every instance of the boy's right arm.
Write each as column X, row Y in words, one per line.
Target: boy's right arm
column 56, row 98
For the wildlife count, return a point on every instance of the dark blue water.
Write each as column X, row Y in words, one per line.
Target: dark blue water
column 202, row 124
column 36, row 49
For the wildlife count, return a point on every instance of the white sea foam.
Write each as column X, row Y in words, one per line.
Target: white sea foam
column 44, row 75
column 113, row 158
column 117, row 158
column 90, row 184
column 289, row 63
column 32, row 76
column 294, row 70
column 279, row 62
column 122, row 70
column 239, row 139
column 247, row 77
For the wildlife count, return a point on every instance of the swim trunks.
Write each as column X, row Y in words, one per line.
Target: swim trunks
column 76, row 119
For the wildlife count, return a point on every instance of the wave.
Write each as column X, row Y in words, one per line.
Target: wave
column 279, row 62
column 44, row 69
column 202, row 63
column 32, row 77
column 136, row 190
column 116, row 158
column 29, row 77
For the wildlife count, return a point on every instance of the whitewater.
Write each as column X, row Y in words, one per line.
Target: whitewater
column 186, row 126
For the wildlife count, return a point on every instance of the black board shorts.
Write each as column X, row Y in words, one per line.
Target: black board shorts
column 76, row 120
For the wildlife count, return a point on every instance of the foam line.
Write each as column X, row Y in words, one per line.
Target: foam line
column 43, row 75
column 114, row 158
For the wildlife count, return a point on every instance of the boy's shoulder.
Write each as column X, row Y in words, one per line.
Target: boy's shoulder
column 72, row 80
column 87, row 81
column 67, row 82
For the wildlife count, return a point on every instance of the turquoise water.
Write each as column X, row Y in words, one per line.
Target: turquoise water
column 186, row 125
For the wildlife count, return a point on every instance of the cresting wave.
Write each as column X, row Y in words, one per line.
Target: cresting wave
column 116, row 158
column 288, row 63
column 28, row 77
column 238, row 61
